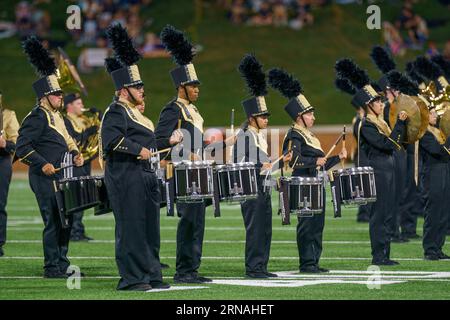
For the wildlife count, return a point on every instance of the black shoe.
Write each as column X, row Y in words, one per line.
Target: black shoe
column 86, row 238
column 138, row 287
column 362, row 219
column 310, row 270
column 323, row 270
column 55, row 275
column 164, row 266
column 271, row 275
column 443, row 256
column 76, row 238
column 411, row 236
column 257, row 275
column 203, row 279
column 431, row 257
column 159, row 285
column 186, row 279
column 399, row 239
column 69, row 274
column 2, row 253
column 385, row 262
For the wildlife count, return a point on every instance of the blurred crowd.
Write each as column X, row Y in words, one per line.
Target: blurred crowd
column 293, row 13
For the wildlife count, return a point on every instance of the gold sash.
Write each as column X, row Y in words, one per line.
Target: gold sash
column 136, row 115
column 438, row 134
column 310, row 139
column 260, row 139
column 190, row 113
column 381, row 125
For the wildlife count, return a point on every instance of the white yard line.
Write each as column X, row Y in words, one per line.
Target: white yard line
column 207, row 228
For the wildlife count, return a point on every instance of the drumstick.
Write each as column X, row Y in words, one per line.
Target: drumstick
column 155, row 153
column 332, row 148
column 64, row 167
column 232, row 134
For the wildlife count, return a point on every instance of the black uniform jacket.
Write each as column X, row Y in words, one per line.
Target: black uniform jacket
column 305, row 152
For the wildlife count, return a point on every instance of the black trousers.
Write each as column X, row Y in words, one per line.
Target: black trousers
column 309, row 238
column 436, row 215
column 5, row 180
column 382, row 210
column 78, row 228
column 400, row 172
column 136, row 212
column 55, row 238
column 257, row 214
column 412, row 206
column 190, row 233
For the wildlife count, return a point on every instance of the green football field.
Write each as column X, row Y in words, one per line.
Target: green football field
column 346, row 252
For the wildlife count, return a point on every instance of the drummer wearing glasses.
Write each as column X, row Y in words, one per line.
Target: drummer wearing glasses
column 379, row 143
column 307, row 157
column 43, row 140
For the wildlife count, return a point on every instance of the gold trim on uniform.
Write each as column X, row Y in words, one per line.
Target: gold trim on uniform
column 195, row 118
column 310, row 139
column 303, row 101
column 77, row 122
column 259, row 138
column 56, row 122
column 443, row 82
column 121, row 140
column 136, row 115
column 383, row 128
column 133, row 70
column 191, row 74
column 437, row 133
column 261, row 101
column 370, row 90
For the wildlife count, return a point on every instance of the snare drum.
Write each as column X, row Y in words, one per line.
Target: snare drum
column 193, row 181
column 104, row 206
column 237, row 181
column 304, row 195
column 357, row 185
column 79, row 193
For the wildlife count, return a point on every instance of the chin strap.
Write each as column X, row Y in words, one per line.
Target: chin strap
column 132, row 97
column 187, row 95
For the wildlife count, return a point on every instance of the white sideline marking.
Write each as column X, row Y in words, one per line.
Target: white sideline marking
column 213, row 258
column 176, row 289
column 294, row 283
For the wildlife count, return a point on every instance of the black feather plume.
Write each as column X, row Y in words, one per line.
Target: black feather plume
column 382, row 59
column 346, row 68
column 412, row 73
column 39, row 57
column 251, row 71
column 402, row 83
column 285, row 83
column 177, row 44
column 345, row 86
column 112, row 64
column 443, row 64
column 427, row 68
column 122, row 45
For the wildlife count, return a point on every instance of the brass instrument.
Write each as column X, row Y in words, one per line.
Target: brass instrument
column 89, row 148
column 68, row 77
column 417, row 111
column 69, row 80
column 444, row 121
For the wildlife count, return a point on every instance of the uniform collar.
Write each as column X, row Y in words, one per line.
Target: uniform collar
column 183, row 101
column 46, row 105
column 255, row 130
column 127, row 103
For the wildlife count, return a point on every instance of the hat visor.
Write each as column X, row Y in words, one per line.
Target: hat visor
column 191, row 83
column 307, row 110
column 134, row 84
column 265, row 113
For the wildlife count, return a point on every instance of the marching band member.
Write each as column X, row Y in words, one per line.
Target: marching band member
column 386, row 64
column 307, row 155
column 43, row 140
column 251, row 146
column 435, row 153
column 78, row 130
column 132, row 185
column 379, row 144
column 9, row 127
column 181, row 113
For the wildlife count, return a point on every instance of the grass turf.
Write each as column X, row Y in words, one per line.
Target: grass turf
column 346, row 247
